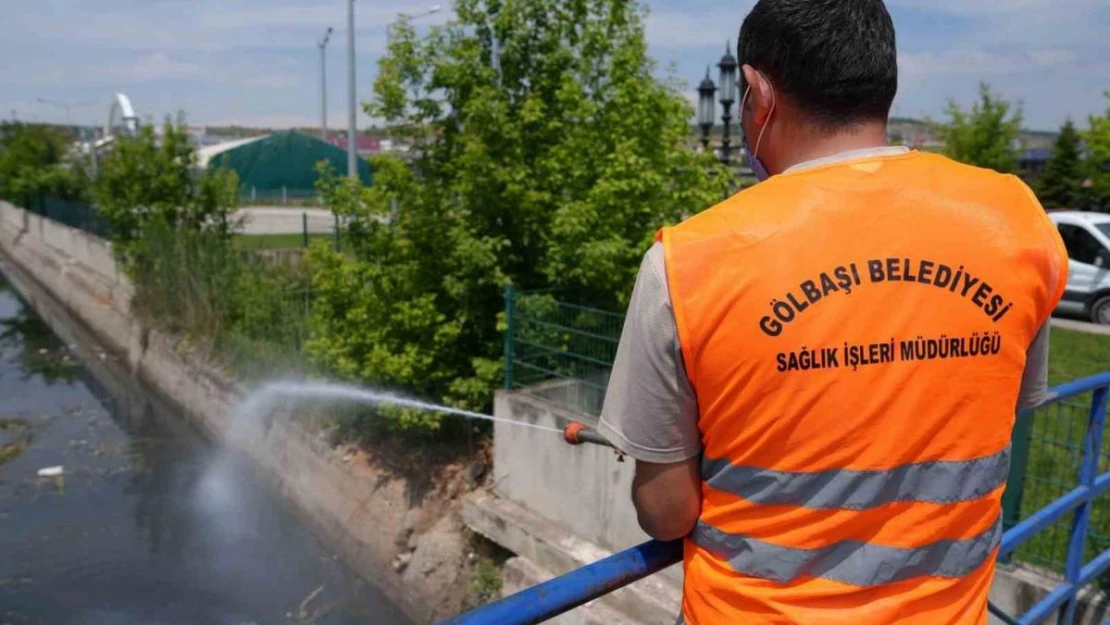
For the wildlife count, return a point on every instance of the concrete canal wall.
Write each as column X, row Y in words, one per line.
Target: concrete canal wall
column 376, row 519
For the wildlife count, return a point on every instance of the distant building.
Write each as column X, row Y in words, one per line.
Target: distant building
column 364, row 146
column 1031, row 162
column 278, row 165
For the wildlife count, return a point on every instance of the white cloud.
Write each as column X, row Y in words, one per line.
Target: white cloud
column 151, row 67
column 981, row 62
column 973, row 8
column 273, row 81
column 670, row 29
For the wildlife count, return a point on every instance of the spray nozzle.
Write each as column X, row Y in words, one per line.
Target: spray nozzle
column 577, row 433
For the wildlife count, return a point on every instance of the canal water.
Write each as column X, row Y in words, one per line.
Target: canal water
column 148, row 523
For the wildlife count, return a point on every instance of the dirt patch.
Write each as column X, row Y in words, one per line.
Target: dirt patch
column 436, row 560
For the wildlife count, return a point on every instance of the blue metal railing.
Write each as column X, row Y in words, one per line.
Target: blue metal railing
column 566, row 592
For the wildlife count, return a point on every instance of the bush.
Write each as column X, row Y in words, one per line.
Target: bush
column 148, row 179
column 195, row 283
column 32, row 166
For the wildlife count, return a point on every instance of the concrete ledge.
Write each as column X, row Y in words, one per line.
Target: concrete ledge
column 553, row 551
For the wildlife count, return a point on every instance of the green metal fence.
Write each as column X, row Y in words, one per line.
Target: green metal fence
column 564, row 353
column 559, row 351
column 282, row 196
column 1048, row 450
column 73, row 214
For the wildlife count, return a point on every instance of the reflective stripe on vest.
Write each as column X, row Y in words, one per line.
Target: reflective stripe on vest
column 932, row 482
column 850, row 561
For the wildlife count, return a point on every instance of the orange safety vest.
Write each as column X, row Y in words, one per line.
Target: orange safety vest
column 856, row 335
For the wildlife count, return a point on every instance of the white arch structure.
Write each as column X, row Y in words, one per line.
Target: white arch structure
column 121, row 117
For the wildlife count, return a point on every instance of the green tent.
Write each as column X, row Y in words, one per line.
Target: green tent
column 282, row 160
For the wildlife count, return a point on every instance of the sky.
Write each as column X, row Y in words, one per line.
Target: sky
column 255, row 62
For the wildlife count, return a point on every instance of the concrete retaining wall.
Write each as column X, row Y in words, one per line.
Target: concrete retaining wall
column 585, row 489
column 369, row 515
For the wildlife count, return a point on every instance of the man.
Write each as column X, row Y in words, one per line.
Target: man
column 818, row 377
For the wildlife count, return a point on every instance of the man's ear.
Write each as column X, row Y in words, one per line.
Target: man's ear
column 760, row 98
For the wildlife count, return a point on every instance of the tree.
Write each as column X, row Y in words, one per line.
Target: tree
column 985, row 135
column 1061, row 183
column 1098, row 160
column 149, row 179
column 545, row 153
column 32, row 165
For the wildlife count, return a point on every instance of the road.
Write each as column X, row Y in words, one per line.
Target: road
column 1080, row 326
column 284, row 220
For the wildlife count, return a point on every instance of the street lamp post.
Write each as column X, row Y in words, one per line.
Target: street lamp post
column 727, row 67
column 412, row 16
column 352, row 130
column 352, row 158
column 323, row 44
column 707, row 114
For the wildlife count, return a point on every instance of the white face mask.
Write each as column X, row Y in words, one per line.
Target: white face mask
column 757, row 166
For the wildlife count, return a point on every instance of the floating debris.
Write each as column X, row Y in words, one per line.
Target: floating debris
column 303, row 614
column 52, row 471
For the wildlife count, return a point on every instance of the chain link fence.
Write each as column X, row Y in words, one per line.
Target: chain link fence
column 1048, row 450
column 559, row 351
column 282, row 196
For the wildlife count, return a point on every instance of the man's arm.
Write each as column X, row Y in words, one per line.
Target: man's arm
column 650, row 410
column 667, row 498
column 1034, row 381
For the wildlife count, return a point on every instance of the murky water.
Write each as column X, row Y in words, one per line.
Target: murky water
column 146, row 525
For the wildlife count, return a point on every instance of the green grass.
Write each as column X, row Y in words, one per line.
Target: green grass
column 251, row 242
column 1077, row 355
column 1056, row 451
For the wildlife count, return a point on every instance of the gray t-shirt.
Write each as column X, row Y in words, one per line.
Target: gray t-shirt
column 650, row 409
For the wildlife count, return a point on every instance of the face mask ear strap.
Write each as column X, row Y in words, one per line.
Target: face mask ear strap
column 774, row 101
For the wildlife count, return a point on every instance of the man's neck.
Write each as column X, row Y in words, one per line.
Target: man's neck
column 807, row 146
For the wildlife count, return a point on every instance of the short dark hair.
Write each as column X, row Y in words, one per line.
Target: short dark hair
column 835, row 58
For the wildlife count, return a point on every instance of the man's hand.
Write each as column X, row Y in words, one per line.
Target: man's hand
column 667, row 497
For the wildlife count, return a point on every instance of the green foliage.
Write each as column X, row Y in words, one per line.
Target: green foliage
column 1097, row 192
column 148, row 179
column 985, row 135
column 1061, row 183
column 171, row 224
column 552, row 164
column 195, row 284
column 32, row 165
column 487, row 582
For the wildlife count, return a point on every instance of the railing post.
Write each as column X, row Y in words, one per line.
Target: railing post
column 304, row 228
column 1088, row 471
column 510, row 331
column 1019, row 461
column 335, row 230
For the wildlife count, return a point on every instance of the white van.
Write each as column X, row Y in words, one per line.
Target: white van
column 1087, row 237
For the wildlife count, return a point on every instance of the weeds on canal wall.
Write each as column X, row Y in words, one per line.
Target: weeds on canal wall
column 250, row 313
column 171, row 226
